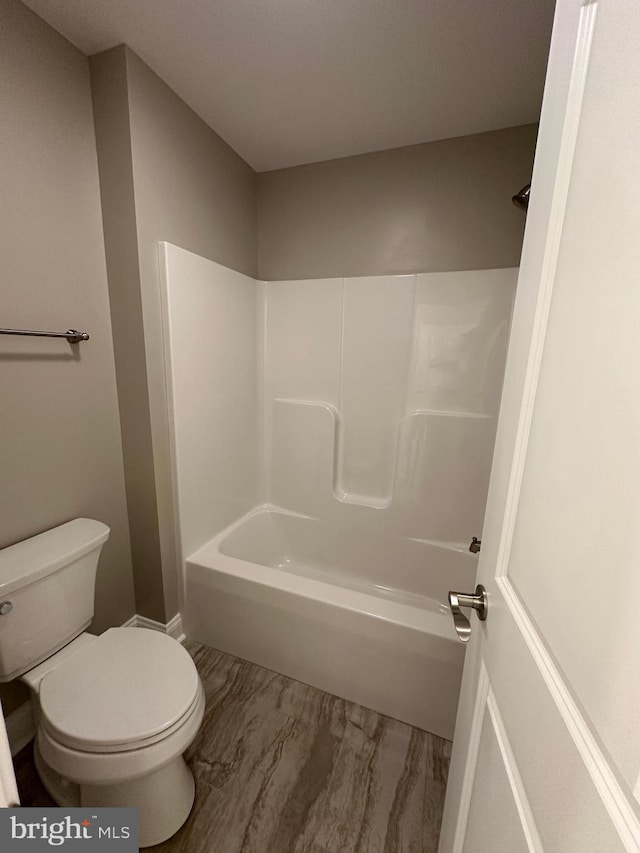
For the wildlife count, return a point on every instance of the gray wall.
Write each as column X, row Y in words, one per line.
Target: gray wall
column 113, row 138
column 437, row 206
column 191, row 187
column 165, row 176
column 60, row 446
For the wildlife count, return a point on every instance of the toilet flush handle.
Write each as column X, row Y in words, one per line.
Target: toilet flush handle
column 5, row 607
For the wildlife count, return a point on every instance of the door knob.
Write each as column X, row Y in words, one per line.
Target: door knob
column 478, row 602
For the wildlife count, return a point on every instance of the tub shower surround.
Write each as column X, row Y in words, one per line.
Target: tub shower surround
column 332, row 444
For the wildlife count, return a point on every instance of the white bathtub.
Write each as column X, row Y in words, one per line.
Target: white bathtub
column 314, row 602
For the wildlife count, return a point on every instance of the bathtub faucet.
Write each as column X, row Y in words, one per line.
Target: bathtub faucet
column 475, row 545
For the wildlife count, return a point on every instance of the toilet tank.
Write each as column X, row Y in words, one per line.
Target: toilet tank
column 47, row 586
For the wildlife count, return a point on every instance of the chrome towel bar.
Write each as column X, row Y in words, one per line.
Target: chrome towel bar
column 72, row 335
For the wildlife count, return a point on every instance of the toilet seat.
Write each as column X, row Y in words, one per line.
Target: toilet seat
column 127, row 690
column 104, row 768
column 92, row 747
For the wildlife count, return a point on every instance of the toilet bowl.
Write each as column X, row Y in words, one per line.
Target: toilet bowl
column 114, row 712
column 115, row 716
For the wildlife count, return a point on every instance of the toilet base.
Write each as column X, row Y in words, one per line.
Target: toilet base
column 164, row 798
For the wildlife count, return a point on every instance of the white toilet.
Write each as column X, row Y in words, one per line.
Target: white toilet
column 115, row 713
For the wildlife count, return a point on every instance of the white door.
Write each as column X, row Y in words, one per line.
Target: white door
column 8, row 788
column 547, row 748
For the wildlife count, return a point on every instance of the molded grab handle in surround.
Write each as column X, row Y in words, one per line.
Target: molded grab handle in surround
column 478, row 602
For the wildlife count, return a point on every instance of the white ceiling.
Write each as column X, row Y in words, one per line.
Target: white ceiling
column 286, row 82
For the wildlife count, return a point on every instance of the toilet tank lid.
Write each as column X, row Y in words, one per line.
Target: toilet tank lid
column 34, row 558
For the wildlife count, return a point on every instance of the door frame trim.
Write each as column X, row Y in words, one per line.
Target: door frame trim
column 482, row 691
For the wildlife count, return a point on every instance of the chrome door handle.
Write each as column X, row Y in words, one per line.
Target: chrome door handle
column 478, row 602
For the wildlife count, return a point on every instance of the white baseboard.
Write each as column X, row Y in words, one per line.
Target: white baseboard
column 20, row 724
column 20, row 727
column 173, row 628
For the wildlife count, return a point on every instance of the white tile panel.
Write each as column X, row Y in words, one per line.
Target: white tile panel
column 303, row 339
column 376, row 348
column 303, row 454
column 460, row 339
column 211, row 335
column 442, row 476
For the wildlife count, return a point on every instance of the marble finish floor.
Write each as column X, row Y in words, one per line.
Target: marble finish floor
column 282, row 767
